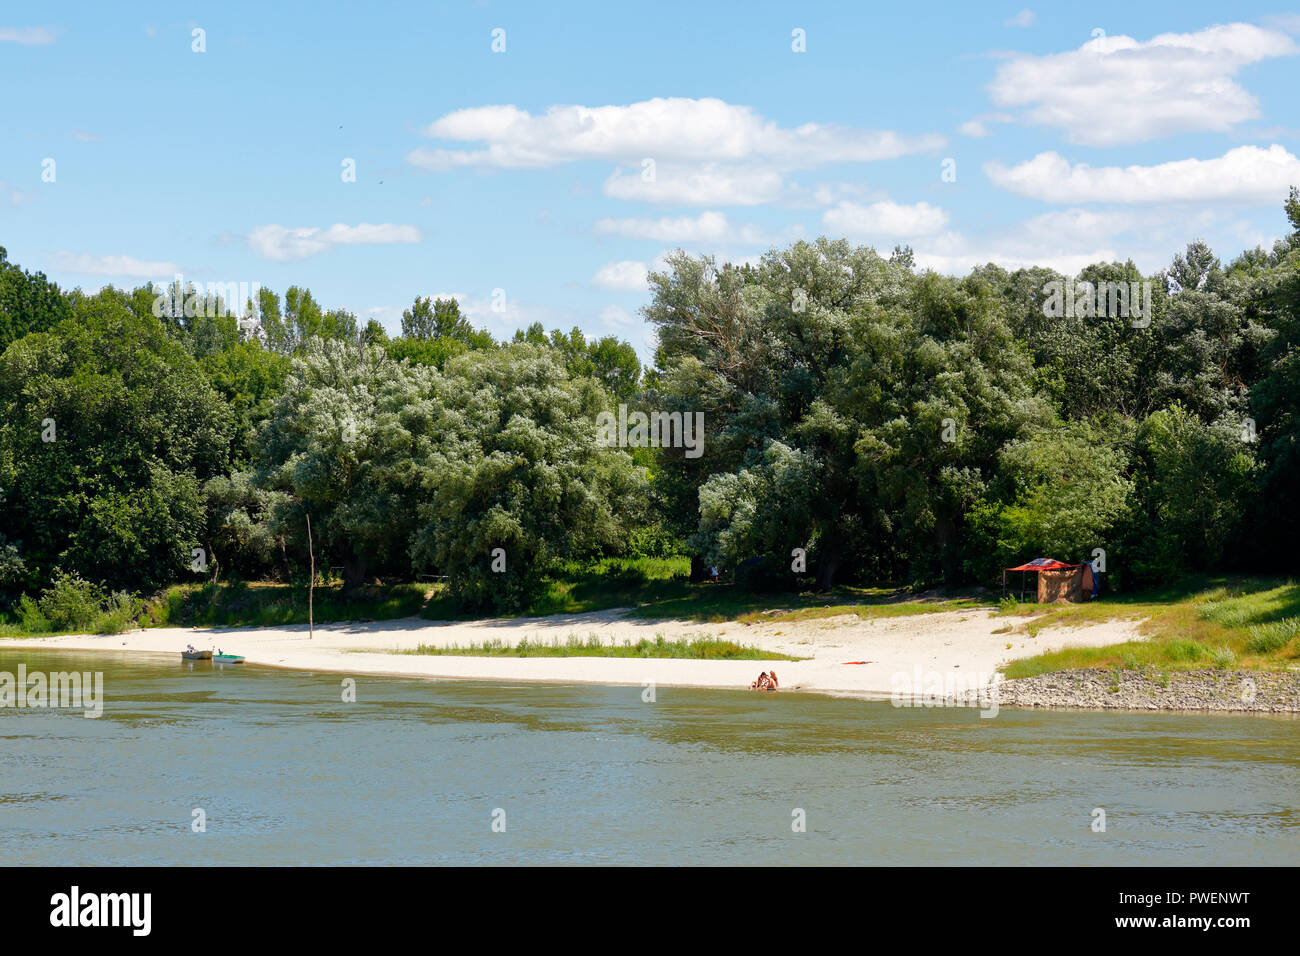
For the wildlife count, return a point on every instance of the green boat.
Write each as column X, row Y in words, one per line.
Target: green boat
column 227, row 659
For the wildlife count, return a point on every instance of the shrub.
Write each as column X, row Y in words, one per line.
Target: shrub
column 30, row 617
column 120, row 612
column 1266, row 638
column 70, row 602
column 1223, row 657
column 1190, row 651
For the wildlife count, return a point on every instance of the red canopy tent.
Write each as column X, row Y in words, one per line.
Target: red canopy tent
column 1058, row 586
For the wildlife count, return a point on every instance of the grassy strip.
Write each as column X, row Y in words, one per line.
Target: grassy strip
column 699, row 648
column 575, row 588
column 868, row 609
column 1249, row 624
column 232, row 604
column 238, row 604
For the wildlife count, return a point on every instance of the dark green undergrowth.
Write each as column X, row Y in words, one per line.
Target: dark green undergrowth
column 240, row 604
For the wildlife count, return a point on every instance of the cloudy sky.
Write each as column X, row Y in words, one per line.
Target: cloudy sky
column 556, row 151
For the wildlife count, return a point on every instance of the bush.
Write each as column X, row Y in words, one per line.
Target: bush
column 1223, row 657
column 653, row 541
column 70, row 603
column 30, row 618
column 1189, row 651
column 120, row 612
column 1266, row 638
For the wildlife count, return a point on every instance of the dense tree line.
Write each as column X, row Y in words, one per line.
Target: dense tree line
column 896, row 425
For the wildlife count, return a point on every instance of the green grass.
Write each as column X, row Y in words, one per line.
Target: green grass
column 239, row 604
column 869, row 606
column 702, row 647
column 658, row 589
column 578, row 588
column 652, row 588
column 1245, row 623
column 1273, row 636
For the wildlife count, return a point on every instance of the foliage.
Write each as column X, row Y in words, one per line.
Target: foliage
column 892, row 425
column 107, row 429
column 516, row 480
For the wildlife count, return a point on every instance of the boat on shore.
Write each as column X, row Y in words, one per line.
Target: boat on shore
column 196, row 655
column 227, row 659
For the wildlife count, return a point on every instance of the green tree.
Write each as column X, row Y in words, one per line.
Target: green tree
column 1060, row 492
column 28, row 302
column 516, row 467
column 1194, row 486
column 436, row 319
column 108, row 429
column 342, row 443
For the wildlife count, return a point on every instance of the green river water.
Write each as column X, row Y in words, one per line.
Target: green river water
column 415, row 772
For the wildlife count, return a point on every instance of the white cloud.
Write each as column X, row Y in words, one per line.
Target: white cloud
column 83, row 263
column 976, row 125
column 614, row 315
column 85, row 137
column 625, row 276
column 1025, row 18
column 28, row 36
column 955, row 254
column 1245, row 174
column 706, row 227
column 1115, row 89
column 13, row 196
column 884, row 218
column 1069, row 239
column 673, row 150
column 282, row 244
column 710, row 184
column 664, row 129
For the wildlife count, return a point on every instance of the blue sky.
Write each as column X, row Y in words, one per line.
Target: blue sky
column 525, row 170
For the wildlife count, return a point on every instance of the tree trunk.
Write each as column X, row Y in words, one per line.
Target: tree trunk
column 354, row 573
column 311, row 584
column 945, row 534
column 827, row 564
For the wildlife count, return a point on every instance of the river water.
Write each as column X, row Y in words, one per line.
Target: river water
column 286, row 772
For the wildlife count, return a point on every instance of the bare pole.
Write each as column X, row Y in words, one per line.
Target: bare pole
column 311, row 585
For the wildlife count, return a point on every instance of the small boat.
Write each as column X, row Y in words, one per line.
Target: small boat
column 196, row 655
column 227, row 659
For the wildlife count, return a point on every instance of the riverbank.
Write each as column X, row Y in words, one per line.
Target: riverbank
column 1222, row 691
column 845, row 654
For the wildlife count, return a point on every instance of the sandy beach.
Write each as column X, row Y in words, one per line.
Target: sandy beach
column 951, row 646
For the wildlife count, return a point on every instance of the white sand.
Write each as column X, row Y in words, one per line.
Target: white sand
column 954, row 644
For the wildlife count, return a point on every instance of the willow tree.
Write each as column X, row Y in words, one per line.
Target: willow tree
column 516, row 480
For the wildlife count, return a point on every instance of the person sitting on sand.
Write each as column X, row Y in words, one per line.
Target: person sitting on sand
column 765, row 681
column 771, row 677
